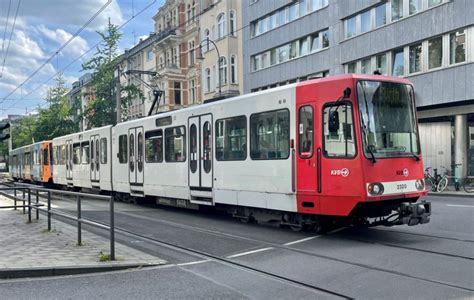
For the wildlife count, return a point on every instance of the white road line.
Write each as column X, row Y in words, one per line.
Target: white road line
column 302, row 240
column 249, row 252
column 193, row 263
column 336, row 230
column 457, row 205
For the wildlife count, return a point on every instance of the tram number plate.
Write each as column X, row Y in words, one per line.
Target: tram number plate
column 402, row 187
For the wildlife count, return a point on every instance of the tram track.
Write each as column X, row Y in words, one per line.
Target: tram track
column 272, row 245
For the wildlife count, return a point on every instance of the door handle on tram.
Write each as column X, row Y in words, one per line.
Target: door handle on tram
column 318, row 166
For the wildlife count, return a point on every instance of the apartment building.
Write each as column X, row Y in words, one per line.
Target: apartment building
column 429, row 42
column 79, row 97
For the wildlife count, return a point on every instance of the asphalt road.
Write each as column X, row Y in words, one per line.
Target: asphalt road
column 432, row 261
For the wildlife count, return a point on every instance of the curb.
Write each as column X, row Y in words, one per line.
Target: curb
column 16, row 273
column 463, row 195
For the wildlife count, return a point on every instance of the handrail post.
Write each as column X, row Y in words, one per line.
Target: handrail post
column 29, row 205
column 112, row 229
column 49, row 210
column 37, row 202
column 79, row 233
column 24, row 201
column 14, row 200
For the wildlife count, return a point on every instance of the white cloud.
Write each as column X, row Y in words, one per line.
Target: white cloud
column 59, row 36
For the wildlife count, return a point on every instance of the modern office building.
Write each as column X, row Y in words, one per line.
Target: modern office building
column 429, row 42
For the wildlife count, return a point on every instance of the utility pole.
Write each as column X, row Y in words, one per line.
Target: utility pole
column 118, row 97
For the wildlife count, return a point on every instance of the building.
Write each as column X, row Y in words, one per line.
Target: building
column 219, row 22
column 79, row 97
column 430, row 42
column 139, row 58
column 176, row 49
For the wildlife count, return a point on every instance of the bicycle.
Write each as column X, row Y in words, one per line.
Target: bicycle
column 454, row 175
column 436, row 182
column 469, row 184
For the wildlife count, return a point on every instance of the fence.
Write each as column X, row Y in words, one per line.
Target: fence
column 26, row 192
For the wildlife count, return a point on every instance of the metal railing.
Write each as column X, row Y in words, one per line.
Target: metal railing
column 26, row 191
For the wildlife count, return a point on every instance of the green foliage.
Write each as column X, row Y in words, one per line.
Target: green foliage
column 23, row 133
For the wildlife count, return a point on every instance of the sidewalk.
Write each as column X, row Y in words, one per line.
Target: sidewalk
column 29, row 250
column 450, row 191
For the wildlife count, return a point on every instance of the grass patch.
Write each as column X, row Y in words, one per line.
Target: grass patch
column 104, row 256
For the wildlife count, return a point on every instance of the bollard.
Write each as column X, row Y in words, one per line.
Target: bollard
column 24, row 201
column 49, row 211
column 29, row 206
column 37, row 202
column 14, row 200
column 79, row 237
column 112, row 230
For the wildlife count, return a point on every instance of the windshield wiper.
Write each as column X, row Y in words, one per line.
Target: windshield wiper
column 371, row 152
column 416, row 157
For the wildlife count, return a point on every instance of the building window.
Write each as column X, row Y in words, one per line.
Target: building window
column 339, row 141
column 351, row 28
column 381, row 62
column 397, row 9
column 435, row 53
column 352, row 68
column 415, row 6
column 233, row 69
column 175, row 144
column 381, row 15
column 365, row 21
column 270, row 135
column 192, row 91
column 231, row 139
column 150, row 55
column 206, row 39
column 191, row 53
column 154, row 146
column 233, row 23
column 415, row 58
column 221, row 26
column 177, row 93
column 223, row 70
column 304, row 46
column 325, row 39
column 457, row 47
column 365, row 66
column 432, row 3
column 398, row 63
column 207, row 78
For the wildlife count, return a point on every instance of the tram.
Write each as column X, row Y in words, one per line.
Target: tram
column 342, row 147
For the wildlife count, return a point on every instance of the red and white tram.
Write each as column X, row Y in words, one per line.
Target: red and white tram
column 343, row 146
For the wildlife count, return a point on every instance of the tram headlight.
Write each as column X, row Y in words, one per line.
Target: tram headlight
column 420, row 184
column 375, row 189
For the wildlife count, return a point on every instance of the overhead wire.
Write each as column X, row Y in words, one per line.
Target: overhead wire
column 6, row 26
column 10, row 39
column 57, row 51
column 93, row 47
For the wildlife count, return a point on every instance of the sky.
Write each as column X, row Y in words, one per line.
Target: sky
column 42, row 27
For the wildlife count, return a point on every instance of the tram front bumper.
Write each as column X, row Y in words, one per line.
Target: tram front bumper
column 414, row 213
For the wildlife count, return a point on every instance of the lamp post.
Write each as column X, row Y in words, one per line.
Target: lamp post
column 207, row 40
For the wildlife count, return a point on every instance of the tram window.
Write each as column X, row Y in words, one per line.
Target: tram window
column 154, row 146
column 175, row 144
column 76, row 157
column 103, row 150
column 305, row 130
column 339, row 143
column 85, row 152
column 45, row 157
column 270, row 135
column 231, row 139
column 62, row 154
column 122, row 155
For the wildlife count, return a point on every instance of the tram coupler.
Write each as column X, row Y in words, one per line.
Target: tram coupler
column 414, row 213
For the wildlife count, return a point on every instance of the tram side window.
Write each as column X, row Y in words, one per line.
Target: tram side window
column 231, row 139
column 45, row 157
column 154, row 146
column 103, row 150
column 339, row 139
column 85, row 147
column 306, row 132
column 62, row 155
column 175, row 144
column 270, row 135
column 122, row 155
column 76, row 157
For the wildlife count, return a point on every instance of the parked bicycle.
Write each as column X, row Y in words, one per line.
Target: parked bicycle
column 435, row 182
column 469, row 184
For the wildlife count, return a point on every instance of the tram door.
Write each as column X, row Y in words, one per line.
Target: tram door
column 94, row 155
column 135, row 156
column 69, row 159
column 200, row 149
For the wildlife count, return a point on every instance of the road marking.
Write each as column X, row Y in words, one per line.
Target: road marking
column 249, row 252
column 302, row 240
column 458, row 205
column 336, row 230
column 193, row 263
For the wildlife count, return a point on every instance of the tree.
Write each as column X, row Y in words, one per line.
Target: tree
column 100, row 111
column 24, row 133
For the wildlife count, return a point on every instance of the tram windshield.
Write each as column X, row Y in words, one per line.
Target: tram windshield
column 388, row 121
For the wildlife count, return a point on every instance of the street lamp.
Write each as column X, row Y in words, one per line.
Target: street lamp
column 207, row 40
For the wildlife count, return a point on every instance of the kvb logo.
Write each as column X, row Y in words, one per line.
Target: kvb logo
column 344, row 172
